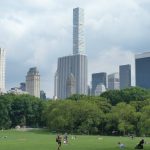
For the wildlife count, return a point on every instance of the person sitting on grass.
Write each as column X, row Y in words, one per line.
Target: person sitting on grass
column 121, row 145
column 140, row 145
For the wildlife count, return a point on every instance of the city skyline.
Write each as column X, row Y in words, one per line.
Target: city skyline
column 37, row 33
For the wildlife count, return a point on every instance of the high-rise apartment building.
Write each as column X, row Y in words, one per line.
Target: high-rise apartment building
column 33, row 82
column 97, row 79
column 2, row 70
column 142, row 70
column 71, row 77
column 78, row 31
column 72, row 72
column 125, row 76
column 113, row 81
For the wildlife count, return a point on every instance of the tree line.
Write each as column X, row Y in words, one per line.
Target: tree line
column 115, row 112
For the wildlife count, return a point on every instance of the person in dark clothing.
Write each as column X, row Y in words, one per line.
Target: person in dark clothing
column 140, row 145
column 58, row 140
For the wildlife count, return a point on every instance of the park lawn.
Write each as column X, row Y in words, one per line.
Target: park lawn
column 43, row 140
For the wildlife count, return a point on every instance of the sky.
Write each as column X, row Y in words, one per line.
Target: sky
column 37, row 32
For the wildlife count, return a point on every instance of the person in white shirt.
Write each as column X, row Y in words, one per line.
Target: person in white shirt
column 121, row 145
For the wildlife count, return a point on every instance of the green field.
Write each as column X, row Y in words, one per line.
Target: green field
column 43, row 140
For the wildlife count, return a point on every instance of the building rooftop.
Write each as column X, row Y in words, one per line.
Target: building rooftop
column 142, row 55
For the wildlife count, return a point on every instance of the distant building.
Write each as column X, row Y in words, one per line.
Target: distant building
column 55, row 86
column 100, row 88
column 42, row 95
column 33, row 82
column 2, row 70
column 97, row 79
column 71, row 76
column 142, row 70
column 78, row 31
column 125, row 76
column 23, row 86
column 89, row 90
column 75, row 66
column 17, row 91
column 113, row 81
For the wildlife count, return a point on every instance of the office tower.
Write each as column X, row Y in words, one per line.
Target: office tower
column 113, row 81
column 42, row 95
column 33, row 82
column 2, row 70
column 98, row 78
column 78, row 31
column 23, row 86
column 75, row 66
column 72, row 70
column 125, row 76
column 142, row 70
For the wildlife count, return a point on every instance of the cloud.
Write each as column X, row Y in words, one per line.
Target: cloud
column 37, row 32
column 108, row 61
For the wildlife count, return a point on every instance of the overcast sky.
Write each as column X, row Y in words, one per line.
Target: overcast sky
column 37, row 32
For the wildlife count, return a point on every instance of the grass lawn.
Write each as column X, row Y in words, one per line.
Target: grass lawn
column 42, row 140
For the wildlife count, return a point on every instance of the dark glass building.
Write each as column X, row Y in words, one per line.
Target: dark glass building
column 98, row 78
column 142, row 70
column 125, row 76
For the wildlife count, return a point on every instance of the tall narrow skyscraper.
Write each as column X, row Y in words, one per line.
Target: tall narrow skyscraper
column 72, row 70
column 78, row 31
column 33, row 82
column 2, row 70
column 125, row 76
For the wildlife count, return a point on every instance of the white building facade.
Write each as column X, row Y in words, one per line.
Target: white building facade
column 2, row 70
column 33, row 82
column 78, row 31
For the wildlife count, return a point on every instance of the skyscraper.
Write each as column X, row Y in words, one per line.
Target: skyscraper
column 78, row 31
column 2, row 70
column 33, row 82
column 97, row 79
column 125, row 76
column 72, row 70
column 142, row 70
column 113, row 81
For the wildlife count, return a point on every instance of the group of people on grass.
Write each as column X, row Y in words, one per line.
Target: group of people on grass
column 121, row 145
column 138, row 146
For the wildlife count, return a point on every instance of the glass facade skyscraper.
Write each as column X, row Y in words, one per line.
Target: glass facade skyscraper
column 142, row 70
column 125, row 76
column 97, row 79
